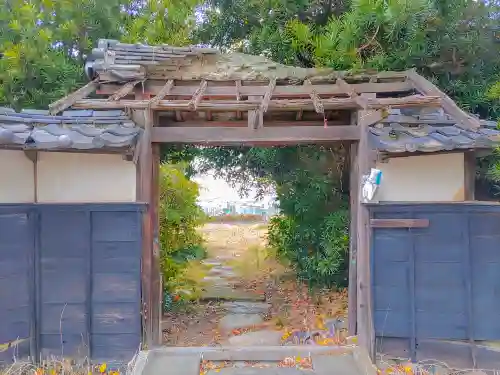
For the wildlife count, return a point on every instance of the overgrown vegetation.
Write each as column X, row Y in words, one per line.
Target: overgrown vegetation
column 455, row 43
column 179, row 218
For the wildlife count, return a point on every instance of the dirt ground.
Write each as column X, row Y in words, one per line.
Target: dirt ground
column 243, row 246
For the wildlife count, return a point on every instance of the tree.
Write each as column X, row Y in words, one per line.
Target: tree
column 453, row 43
column 43, row 45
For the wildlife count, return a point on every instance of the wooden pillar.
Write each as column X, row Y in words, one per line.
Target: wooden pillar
column 469, row 175
column 353, row 204
column 365, row 160
column 144, row 195
column 157, row 293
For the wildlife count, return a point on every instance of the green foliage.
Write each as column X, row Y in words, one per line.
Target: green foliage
column 320, row 254
column 161, row 21
column 452, row 43
column 44, row 42
column 179, row 218
column 312, row 234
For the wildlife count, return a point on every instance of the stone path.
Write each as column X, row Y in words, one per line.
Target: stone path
column 244, row 309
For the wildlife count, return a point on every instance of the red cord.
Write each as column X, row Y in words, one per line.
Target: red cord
column 325, row 122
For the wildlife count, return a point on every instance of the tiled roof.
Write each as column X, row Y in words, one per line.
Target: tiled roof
column 413, row 130
column 129, row 61
column 79, row 130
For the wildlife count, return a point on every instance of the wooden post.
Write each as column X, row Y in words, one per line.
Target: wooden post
column 365, row 329
column 144, row 195
column 469, row 175
column 155, row 271
column 353, row 204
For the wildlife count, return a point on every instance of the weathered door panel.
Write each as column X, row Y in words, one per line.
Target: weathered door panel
column 16, row 281
column 63, row 281
column 437, row 289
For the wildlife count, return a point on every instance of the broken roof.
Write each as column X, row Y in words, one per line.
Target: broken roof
column 73, row 130
column 113, row 61
column 429, row 130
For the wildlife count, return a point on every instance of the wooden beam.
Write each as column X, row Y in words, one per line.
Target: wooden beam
column 197, row 96
column 255, row 117
column 231, row 136
column 268, row 95
column 66, row 102
column 365, row 330
column 313, row 94
column 349, row 90
column 274, row 105
column 290, row 91
column 399, row 223
column 125, row 90
column 426, row 87
column 165, row 90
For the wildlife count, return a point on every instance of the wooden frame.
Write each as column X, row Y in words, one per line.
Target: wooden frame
column 355, row 94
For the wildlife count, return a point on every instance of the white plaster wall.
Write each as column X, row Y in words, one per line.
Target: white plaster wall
column 81, row 177
column 17, row 181
column 427, row 178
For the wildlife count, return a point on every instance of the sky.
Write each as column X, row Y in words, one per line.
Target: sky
column 215, row 191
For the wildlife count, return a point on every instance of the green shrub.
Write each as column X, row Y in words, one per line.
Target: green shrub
column 320, row 260
column 179, row 218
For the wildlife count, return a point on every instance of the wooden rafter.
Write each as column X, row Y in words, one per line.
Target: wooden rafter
column 66, row 102
column 318, row 106
column 274, row 135
column 286, row 91
column 125, row 90
column 267, row 97
column 349, row 90
column 425, row 87
column 198, row 95
column 274, row 105
column 165, row 90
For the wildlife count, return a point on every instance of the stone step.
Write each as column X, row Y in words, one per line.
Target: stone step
column 246, row 307
column 211, row 262
column 233, row 321
column 255, row 370
column 258, row 338
column 229, row 294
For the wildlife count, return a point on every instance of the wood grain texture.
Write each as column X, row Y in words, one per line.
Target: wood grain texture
column 274, row 135
column 290, row 91
column 67, row 101
column 365, row 327
column 399, row 223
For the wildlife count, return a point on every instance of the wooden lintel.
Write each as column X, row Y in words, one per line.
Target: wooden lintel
column 426, row 87
column 289, row 91
column 66, row 102
column 319, row 105
column 399, row 223
column 165, row 90
column 274, row 135
column 125, row 90
column 197, row 96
